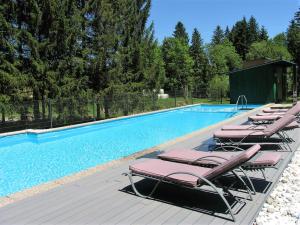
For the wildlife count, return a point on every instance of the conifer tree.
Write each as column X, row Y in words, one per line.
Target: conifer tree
column 253, row 31
column 11, row 80
column 263, row 34
column 201, row 66
column 227, row 33
column 240, row 37
column 180, row 33
column 218, row 36
column 293, row 40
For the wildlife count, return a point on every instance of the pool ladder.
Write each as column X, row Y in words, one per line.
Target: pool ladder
column 244, row 102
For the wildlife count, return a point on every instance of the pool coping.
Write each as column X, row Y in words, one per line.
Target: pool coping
column 5, row 200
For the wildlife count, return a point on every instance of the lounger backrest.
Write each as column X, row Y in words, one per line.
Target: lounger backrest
column 279, row 124
column 233, row 162
column 294, row 110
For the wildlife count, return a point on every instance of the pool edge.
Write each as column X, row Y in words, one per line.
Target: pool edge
column 84, row 173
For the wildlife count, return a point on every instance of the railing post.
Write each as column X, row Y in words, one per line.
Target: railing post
column 175, row 96
column 94, row 114
column 50, row 110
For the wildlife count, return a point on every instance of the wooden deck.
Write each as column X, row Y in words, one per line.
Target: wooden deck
column 106, row 198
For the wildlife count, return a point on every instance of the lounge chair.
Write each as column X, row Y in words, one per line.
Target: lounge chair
column 269, row 110
column 190, row 176
column 264, row 137
column 291, row 126
column 271, row 117
column 260, row 161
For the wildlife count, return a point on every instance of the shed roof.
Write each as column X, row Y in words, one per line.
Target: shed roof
column 263, row 62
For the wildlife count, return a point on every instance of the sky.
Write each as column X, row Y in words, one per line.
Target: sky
column 205, row 15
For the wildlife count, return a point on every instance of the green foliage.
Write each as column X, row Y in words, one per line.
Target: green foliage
column 201, row 65
column 218, row 36
column 268, row 49
column 293, row 40
column 280, row 39
column 178, row 63
column 224, row 58
column 218, row 87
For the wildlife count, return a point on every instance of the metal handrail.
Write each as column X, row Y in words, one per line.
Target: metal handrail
column 243, row 98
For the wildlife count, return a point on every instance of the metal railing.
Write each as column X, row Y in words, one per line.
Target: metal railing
column 49, row 113
column 244, row 102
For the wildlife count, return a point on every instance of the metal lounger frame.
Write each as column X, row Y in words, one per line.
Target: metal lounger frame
column 234, row 144
column 130, row 174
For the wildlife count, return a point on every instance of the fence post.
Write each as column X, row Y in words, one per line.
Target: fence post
column 50, row 110
column 94, row 114
column 221, row 95
column 175, row 96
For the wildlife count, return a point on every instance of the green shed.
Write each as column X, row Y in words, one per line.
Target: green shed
column 261, row 81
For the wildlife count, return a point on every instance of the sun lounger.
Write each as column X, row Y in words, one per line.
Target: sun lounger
column 268, row 110
column 242, row 137
column 190, row 176
column 267, row 118
column 291, row 126
column 260, row 161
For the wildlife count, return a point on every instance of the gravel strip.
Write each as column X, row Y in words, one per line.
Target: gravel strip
column 283, row 204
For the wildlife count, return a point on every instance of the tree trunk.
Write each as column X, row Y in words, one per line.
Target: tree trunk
column 43, row 108
column 106, row 107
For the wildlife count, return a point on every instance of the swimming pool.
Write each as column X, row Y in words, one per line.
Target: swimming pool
column 30, row 159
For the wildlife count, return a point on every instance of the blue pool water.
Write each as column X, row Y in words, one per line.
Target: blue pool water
column 27, row 160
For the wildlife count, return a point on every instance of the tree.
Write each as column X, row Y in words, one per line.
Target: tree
column 293, row 40
column 11, row 80
column 268, row 49
column 224, row 58
column 253, row 30
column 180, row 33
column 240, row 37
column 227, row 33
column 218, row 36
column 201, row 66
column 151, row 63
column 280, row 39
column 263, row 35
column 178, row 64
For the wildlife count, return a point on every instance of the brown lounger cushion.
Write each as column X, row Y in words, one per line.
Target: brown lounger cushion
column 268, row 110
column 190, row 156
column 268, row 131
column 292, row 125
column 271, row 114
column 264, row 118
column 265, row 159
column 233, row 162
column 159, row 168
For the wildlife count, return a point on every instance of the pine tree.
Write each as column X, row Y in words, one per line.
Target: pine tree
column 218, row 36
column 180, row 33
column 240, row 37
column 293, row 40
column 201, row 66
column 253, row 31
column 227, row 33
column 11, row 80
column 263, row 34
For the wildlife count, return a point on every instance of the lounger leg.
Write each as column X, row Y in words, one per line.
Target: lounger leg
column 244, row 184
column 201, row 178
column 249, row 180
column 136, row 191
column 263, row 173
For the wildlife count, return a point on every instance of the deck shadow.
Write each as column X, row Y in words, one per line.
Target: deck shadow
column 202, row 201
